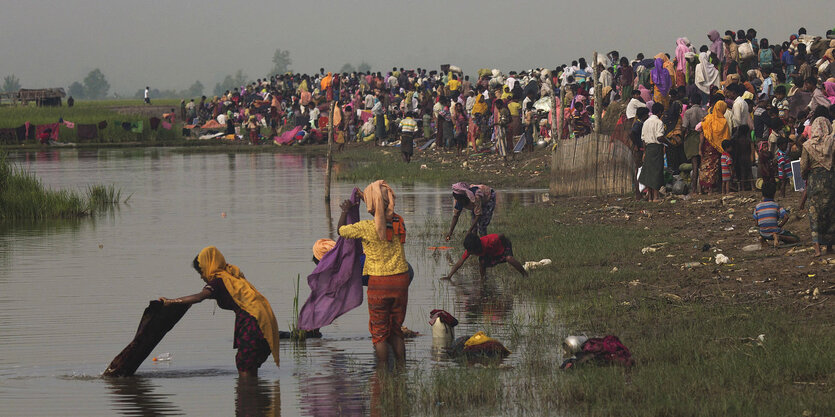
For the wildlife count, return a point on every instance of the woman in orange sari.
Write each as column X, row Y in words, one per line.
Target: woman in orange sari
column 715, row 130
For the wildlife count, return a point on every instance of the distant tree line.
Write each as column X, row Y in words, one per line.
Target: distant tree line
column 96, row 87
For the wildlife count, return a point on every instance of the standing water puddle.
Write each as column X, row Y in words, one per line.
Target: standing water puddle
column 72, row 292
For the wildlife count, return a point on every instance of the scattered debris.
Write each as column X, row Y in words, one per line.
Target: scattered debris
column 671, row 297
column 721, row 259
column 691, row 265
column 752, row 247
column 615, row 269
column 653, row 248
column 536, row 264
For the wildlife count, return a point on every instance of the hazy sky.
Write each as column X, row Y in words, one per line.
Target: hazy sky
column 170, row 44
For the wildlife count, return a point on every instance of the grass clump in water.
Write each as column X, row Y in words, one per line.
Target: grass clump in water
column 24, row 197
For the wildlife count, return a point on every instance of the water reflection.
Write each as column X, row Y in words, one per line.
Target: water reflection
column 336, row 388
column 275, row 213
column 257, row 397
column 483, row 300
column 136, row 396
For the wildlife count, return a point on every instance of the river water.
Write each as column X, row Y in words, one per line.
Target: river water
column 72, row 292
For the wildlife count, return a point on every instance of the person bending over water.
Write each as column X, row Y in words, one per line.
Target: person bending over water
column 491, row 250
column 256, row 329
column 479, row 199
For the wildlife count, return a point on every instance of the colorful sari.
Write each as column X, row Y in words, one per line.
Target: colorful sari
column 715, row 129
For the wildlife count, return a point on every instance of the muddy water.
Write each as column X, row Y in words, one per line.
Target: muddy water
column 72, row 292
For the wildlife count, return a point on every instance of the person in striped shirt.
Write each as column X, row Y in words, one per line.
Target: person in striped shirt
column 408, row 128
column 770, row 218
column 784, row 166
column 727, row 164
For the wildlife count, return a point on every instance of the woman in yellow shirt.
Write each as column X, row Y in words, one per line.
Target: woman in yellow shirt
column 385, row 264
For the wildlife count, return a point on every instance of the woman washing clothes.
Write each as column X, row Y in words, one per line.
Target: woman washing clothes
column 385, row 263
column 256, row 329
column 479, row 199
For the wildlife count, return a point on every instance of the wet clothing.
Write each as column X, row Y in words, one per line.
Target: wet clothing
column 253, row 349
column 388, row 297
column 242, row 296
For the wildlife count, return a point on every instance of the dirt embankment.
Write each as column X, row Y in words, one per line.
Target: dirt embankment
column 704, row 227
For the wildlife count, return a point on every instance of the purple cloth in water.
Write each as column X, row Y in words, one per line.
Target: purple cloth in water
column 336, row 283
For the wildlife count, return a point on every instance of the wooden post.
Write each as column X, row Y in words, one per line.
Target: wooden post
column 597, row 116
column 556, row 138
column 330, row 155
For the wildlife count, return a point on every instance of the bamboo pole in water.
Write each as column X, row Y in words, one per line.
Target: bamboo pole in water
column 330, row 155
column 597, row 116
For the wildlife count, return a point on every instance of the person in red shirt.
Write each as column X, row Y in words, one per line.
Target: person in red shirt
column 492, row 249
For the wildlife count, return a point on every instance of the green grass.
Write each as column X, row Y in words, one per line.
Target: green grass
column 693, row 357
column 24, row 198
column 368, row 163
column 90, row 112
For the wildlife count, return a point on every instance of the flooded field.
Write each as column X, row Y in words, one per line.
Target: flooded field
column 72, row 292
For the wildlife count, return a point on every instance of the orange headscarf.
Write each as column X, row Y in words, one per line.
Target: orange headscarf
column 321, row 247
column 715, row 127
column 213, row 265
column 379, row 198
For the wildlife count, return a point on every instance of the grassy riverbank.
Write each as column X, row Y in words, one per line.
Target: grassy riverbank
column 23, row 197
column 695, row 355
column 93, row 112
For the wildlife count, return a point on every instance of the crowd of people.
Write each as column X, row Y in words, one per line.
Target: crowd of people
column 707, row 113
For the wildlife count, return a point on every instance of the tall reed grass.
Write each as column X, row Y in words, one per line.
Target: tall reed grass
column 24, row 197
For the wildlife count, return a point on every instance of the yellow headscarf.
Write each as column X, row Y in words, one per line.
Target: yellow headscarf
column 213, row 265
column 379, row 198
column 715, row 127
column 480, row 106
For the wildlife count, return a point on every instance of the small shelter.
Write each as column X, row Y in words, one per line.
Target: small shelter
column 42, row 96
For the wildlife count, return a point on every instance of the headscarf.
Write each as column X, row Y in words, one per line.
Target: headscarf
column 716, row 45
column 715, row 127
column 821, row 143
column 321, row 247
column 829, row 90
column 661, row 77
column 681, row 50
column 480, row 106
column 379, row 198
column 706, row 74
column 213, row 265
column 463, row 188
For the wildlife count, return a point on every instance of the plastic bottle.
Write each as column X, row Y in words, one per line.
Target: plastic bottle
column 163, row 357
